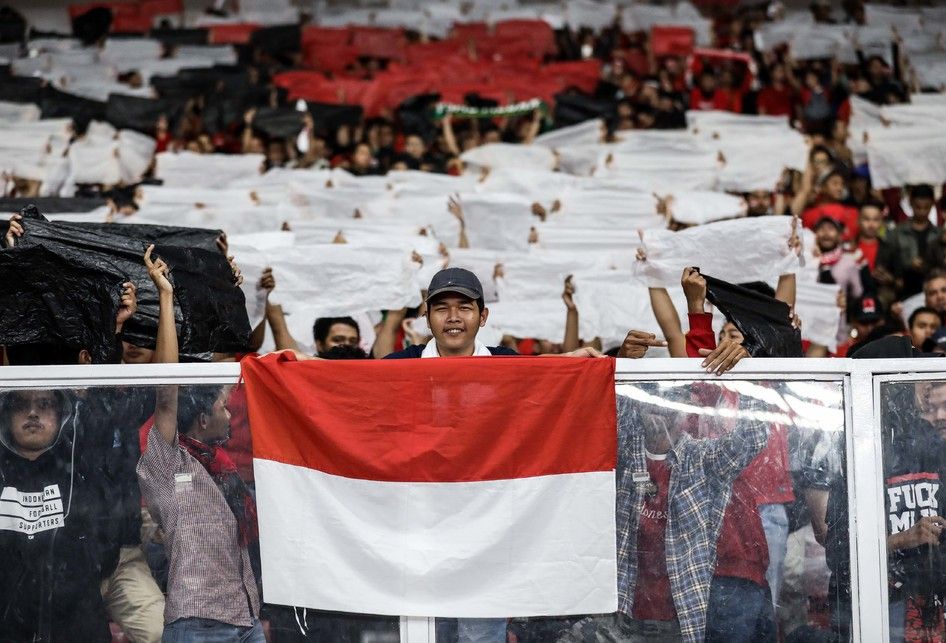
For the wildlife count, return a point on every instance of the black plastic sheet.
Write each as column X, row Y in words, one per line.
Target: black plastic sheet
column 181, row 36
column 279, row 122
column 571, row 109
column 139, row 114
column 21, row 89
column 47, row 300
column 57, row 104
column 92, row 25
column 764, row 321
column 211, row 311
column 49, row 204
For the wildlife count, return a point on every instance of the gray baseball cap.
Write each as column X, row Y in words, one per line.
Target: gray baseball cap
column 456, row 280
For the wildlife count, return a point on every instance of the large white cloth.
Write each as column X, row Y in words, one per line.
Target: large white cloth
column 722, row 250
column 817, row 307
column 340, row 279
column 495, row 155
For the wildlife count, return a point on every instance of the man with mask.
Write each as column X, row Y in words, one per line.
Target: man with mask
column 57, row 541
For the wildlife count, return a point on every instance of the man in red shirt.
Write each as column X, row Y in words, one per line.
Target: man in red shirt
column 778, row 98
column 831, row 193
column 708, row 96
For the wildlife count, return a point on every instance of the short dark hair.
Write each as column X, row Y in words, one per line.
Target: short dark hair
column 344, row 351
column 192, row 401
column 935, row 273
column 922, row 191
column 323, row 325
column 874, row 203
column 919, row 311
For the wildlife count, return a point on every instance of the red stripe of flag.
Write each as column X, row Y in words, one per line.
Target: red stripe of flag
column 435, row 420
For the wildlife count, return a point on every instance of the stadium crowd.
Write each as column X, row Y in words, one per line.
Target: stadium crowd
column 584, row 179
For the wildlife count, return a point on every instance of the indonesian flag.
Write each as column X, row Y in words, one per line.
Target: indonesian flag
column 467, row 487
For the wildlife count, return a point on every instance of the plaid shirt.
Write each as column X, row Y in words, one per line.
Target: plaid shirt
column 210, row 574
column 702, row 472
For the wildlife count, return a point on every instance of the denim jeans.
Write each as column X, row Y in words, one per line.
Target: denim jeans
column 205, row 630
column 740, row 611
column 775, row 524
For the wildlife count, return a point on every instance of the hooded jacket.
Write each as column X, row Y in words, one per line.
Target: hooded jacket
column 56, row 544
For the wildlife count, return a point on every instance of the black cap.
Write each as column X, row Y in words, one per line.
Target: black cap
column 868, row 309
column 828, row 219
column 936, row 342
column 457, row 280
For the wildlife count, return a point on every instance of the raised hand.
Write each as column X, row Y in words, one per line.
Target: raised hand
column 158, row 271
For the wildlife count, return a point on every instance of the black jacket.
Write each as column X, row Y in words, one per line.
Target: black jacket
column 56, row 542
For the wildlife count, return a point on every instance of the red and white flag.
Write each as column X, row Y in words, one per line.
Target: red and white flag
column 466, row 487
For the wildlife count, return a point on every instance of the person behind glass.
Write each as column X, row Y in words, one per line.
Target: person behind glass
column 205, row 511
column 672, row 493
column 56, row 540
column 913, row 441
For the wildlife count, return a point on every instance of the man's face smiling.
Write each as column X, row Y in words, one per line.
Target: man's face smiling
column 454, row 321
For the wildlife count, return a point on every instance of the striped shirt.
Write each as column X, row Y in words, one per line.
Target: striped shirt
column 701, row 476
column 210, row 574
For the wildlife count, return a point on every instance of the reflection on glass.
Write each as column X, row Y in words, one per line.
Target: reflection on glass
column 913, row 430
column 84, row 550
column 721, row 514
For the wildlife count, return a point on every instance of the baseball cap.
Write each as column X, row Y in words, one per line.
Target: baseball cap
column 455, row 280
column 826, row 218
column 868, row 309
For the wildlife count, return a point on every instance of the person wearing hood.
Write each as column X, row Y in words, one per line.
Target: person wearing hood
column 56, row 539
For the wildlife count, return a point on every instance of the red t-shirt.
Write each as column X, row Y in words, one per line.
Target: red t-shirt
column 742, row 550
column 846, row 214
column 775, row 102
column 652, row 598
column 868, row 248
column 720, row 100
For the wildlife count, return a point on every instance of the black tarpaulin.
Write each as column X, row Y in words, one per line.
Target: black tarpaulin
column 12, row 25
column 21, row 89
column 139, row 114
column 327, row 117
column 181, row 36
column 161, row 235
column 278, row 39
column 48, row 300
column 571, row 109
column 211, row 310
column 49, row 204
column 92, row 25
column 763, row 321
column 278, row 122
column 57, row 104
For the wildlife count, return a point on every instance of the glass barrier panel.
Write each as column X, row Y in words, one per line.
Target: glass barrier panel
column 722, row 516
column 913, row 440
column 108, row 529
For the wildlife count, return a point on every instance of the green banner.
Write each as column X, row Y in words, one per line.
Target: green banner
column 466, row 111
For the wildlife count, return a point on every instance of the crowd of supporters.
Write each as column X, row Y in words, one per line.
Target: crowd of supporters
column 579, row 179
